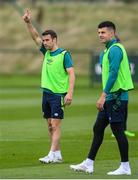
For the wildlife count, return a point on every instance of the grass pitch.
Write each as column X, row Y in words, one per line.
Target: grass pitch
column 24, row 139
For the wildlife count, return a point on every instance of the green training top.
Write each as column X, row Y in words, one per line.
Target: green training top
column 124, row 80
column 54, row 76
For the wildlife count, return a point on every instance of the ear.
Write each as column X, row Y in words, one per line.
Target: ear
column 55, row 40
column 112, row 33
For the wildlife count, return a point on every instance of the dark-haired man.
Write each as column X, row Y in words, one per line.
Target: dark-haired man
column 57, row 83
column 112, row 104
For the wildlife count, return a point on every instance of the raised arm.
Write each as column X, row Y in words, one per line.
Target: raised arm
column 33, row 32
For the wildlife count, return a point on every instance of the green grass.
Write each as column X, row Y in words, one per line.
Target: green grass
column 23, row 132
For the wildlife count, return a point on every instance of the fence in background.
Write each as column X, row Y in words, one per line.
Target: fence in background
column 95, row 71
column 29, row 61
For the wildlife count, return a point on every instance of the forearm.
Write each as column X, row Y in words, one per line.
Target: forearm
column 69, row 95
column 71, row 82
column 34, row 34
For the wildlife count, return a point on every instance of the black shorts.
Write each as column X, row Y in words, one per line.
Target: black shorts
column 114, row 112
column 52, row 106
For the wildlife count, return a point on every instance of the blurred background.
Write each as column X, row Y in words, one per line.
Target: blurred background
column 23, row 132
column 75, row 22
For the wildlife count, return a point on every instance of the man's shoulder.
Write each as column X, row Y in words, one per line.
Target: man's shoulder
column 116, row 47
column 62, row 50
column 115, row 52
column 65, row 52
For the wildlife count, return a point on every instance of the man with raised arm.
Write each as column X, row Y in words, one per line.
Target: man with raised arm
column 57, row 83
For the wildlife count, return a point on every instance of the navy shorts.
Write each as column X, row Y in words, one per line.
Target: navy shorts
column 113, row 111
column 52, row 106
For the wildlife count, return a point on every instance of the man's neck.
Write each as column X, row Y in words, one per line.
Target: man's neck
column 54, row 48
column 110, row 42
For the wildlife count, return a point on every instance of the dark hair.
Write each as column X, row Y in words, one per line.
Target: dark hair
column 108, row 24
column 51, row 32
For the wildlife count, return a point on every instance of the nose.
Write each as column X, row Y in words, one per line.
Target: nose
column 100, row 36
column 44, row 42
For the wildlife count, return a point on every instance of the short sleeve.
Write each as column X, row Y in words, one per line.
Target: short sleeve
column 68, row 62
